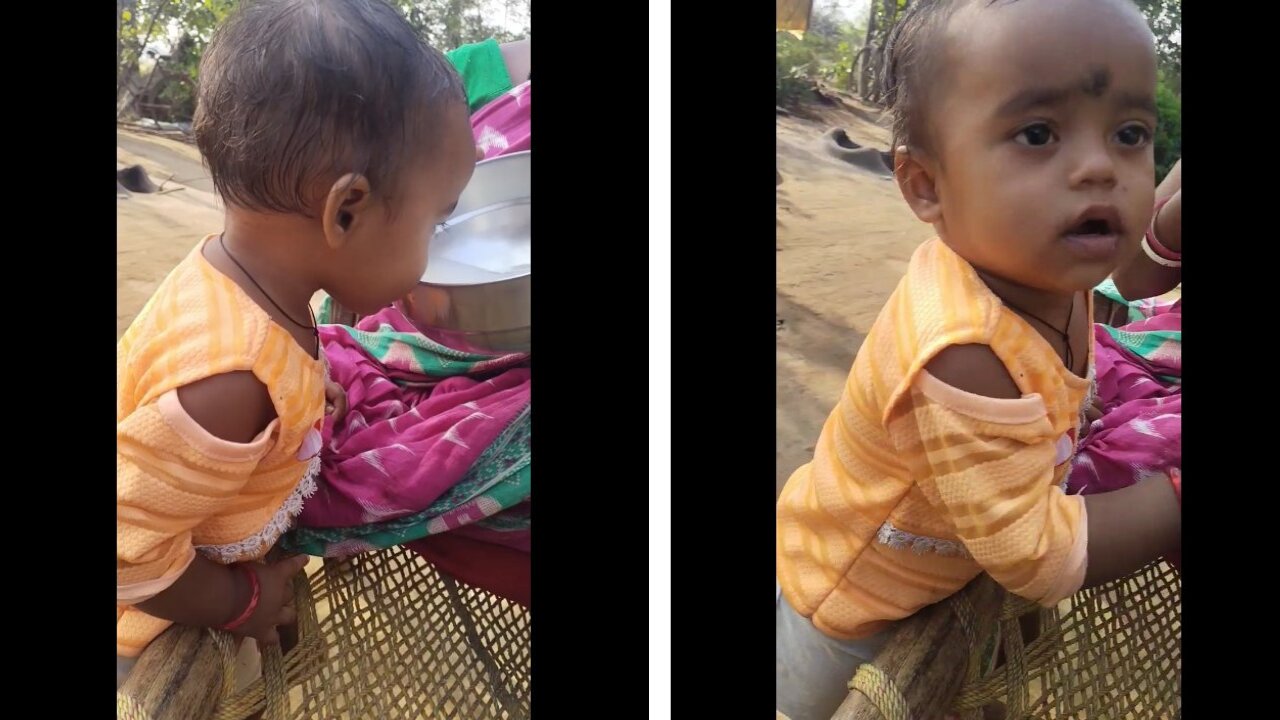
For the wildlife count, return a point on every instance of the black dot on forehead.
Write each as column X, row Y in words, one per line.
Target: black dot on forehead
column 1096, row 82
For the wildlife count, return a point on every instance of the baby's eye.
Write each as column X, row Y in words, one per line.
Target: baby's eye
column 1035, row 135
column 1134, row 135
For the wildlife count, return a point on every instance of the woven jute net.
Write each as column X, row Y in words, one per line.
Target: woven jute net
column 1111, row 652
column 384, row 635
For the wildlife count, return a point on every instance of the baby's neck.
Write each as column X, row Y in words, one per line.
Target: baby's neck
column 1053, row 307
column 272, row 258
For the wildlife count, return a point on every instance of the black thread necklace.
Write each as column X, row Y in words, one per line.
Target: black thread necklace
column 1065, row 334
column 315, row 330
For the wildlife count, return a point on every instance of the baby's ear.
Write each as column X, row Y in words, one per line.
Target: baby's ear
column 345, row 206
column 915, row 174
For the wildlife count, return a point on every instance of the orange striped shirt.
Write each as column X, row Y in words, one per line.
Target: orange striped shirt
column 179, row 489
column 916, row 486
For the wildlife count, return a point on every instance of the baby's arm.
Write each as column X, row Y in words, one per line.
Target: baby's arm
column 1130, row 527
column 987, row 459
column 215, row 431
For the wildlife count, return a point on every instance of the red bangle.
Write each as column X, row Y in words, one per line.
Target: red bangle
column 254, row 591
column 1175, row 479
column 1152, row 242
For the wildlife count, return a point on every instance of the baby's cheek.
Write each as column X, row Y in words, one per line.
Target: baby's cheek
column 422, row 250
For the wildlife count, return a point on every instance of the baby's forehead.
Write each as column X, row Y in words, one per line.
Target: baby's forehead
column 1042, row 43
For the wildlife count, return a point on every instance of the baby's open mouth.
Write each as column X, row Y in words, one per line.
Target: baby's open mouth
column 1095, row 236
column 1096, row 220
column 1092, row 227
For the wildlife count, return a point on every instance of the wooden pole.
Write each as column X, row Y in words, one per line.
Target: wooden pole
column 927, row 656
column 178, row 677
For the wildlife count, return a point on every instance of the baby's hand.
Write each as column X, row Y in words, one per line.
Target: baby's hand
column 335, row 400
column 1093, row 413
column 275, row 600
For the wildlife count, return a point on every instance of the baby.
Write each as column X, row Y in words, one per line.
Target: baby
column 337, row 141
column 1023, row 133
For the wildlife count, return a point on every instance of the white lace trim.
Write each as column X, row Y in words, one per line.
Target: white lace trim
column 903, row 540
column 255, row 544
column 1090, row 395
column 1093, row 384
column 1081, row 426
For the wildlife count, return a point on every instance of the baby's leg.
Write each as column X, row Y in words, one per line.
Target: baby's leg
column 124, row 666
column 812, row 670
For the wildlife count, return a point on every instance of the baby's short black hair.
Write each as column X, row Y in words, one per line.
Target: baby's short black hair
column 293, row 93
column 911, row 66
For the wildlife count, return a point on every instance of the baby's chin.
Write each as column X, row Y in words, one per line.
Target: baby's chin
column 1079, row 278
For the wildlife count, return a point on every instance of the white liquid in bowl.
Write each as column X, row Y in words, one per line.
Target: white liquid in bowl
column 486, row 248
column 447, row 271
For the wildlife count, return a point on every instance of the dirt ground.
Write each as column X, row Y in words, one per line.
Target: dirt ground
column 156, row 230
column 844, row 237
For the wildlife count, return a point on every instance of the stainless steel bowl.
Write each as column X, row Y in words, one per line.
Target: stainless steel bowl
column 474, row 295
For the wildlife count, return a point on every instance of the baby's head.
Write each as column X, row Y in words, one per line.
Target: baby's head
column 332, row 118
column 1023, row 132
